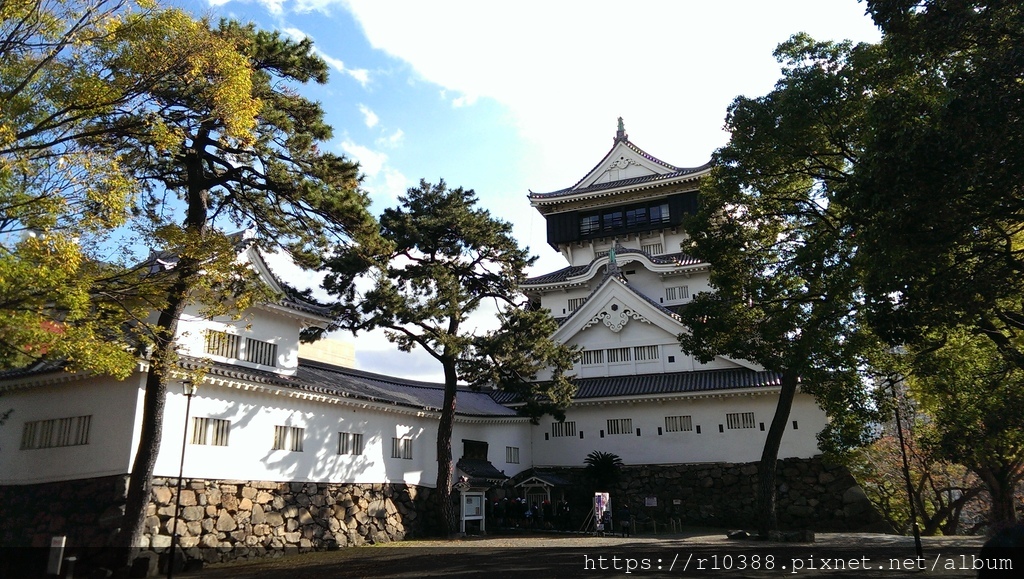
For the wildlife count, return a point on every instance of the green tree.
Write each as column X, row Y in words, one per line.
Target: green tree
column 785, row 293
column 60, row 195
column 603, row 469
column 976, row 400
column 226, row 141
column 448, row 258
column 940, row 187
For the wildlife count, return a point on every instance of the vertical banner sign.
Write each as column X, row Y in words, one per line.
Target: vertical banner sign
column 56, row 554
column 602, row 509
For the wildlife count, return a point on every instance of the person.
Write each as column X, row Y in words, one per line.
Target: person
column 625, row 521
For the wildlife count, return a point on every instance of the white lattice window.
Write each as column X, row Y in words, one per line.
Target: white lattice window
column 575, row 303
column 210, row 431
column 512, row 454
column 681, row 292
column 592, row 357
column 620, row 426
column 619, row 355
column 288, row 438
column 645, row 353
column 567, row 428
column 55, row 432
column 260, row 352
column 401, row 448
column 678, row 424
column 653, row 248
column 739, row 420
column 350, row 443
column 221, row 344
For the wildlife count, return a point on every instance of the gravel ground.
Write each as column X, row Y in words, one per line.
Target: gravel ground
column 700, row 552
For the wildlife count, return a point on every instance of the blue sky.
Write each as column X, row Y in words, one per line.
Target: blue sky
column 505, row 98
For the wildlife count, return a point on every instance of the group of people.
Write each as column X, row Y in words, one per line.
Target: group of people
column 516, row 512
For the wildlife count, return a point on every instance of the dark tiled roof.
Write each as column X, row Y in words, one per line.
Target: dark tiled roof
column 476, row 468
column 546, row 477
column 674, row 173
column 35, row 369
column 680, row 259
column 387, row 389
column 674, row 383
column 645, row 180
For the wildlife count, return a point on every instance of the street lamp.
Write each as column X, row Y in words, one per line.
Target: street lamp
column 188, row 389
column 906, row 469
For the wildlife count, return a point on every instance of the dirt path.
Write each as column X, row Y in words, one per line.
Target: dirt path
column 699, row 553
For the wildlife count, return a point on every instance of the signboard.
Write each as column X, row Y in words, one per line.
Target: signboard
column 650, row 501
column 474, row 508
column 56, row 555
column 602, row 510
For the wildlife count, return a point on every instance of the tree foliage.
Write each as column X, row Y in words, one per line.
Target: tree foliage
column 781, row 244
column 448, row 259
column 603, row 469
column 975, row 398
column 940, row 194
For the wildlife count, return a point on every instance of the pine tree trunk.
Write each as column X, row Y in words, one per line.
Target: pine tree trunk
column 163, row 359
column 767, row 490
column 445, row 465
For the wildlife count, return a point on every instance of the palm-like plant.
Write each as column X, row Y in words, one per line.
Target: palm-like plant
column 603, row 468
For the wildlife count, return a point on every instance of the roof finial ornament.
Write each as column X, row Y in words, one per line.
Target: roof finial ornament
column 620, row 134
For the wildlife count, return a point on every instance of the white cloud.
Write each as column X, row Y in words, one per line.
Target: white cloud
column 361, row 75
column 464, row 100
column 392, row 140
column 369, row 117
column 370, row 162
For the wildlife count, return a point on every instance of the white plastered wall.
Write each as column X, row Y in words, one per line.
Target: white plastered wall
column 710, row 445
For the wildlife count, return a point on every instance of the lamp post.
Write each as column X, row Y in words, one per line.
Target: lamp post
column 188, row 389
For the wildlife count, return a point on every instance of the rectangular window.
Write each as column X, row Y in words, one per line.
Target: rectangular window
column 636, row 216
column 56, row 432
column 618, row 355
column 590, row 224
column 221, row 344
column 739, row 420
column 659, row 213
column 575, row 303
column 288, row 438
column 644, row 353
column 620, row 426
column 512, row 454
column 592, row 357
column 652, row 248
column 401, row 448
column 350, row 443
column 567, row 428
column 678, row 424
column 681, row 292
column 611, row 221
column 210, row 431
column 260, row 352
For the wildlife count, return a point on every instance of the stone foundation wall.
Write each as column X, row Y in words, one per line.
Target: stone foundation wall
column 813, row 494
column 222, row 520
column 219, row 520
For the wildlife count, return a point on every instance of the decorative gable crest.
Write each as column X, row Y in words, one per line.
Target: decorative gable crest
column 615, row 316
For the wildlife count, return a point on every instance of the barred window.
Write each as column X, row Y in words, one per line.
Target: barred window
column 681, row 292
column 652, row 248
column 288, row 438
column 620, row 426
column 739, row 420
column 512, row 454
column 350, row 443
column 642, row 353
column 211, row 431
column 401, row 448
column 260, row 352
column 575, row 303
column 618, row 355
column 55, row 432
column 678, row 424
column 601, row 253
column 221, row 344
column 591, row 357
column 590, row 224
column 567, row 428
